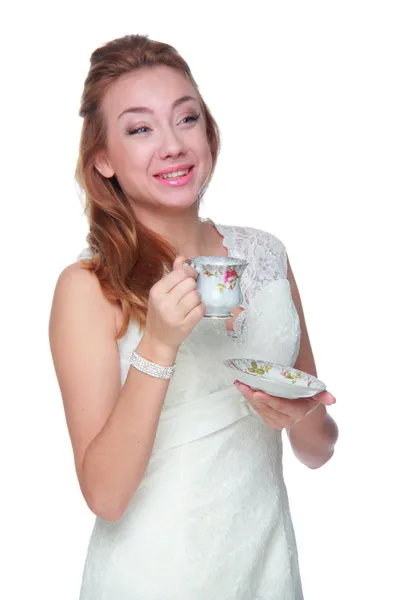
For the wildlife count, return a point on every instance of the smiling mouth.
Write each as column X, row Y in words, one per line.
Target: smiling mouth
column 174, row 174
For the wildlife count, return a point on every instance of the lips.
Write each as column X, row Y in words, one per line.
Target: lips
column 175, row 178
column 174, row 169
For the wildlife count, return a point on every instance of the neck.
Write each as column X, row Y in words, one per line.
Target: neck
column 184, row 231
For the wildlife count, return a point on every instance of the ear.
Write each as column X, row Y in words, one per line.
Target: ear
column 103, row 164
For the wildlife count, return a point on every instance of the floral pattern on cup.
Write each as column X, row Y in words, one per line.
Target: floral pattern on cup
column 228, row 281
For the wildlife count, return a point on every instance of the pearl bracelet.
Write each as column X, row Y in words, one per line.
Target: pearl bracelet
column 150, row 368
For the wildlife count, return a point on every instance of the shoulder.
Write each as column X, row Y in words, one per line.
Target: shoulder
column 78, row 291
column 76, row 279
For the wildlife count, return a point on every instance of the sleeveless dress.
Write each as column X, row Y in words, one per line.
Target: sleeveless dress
column 210, row 519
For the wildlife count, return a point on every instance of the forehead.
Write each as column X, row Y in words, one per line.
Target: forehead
column 154, row 87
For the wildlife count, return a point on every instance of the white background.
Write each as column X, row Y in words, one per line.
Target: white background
column 307, row 98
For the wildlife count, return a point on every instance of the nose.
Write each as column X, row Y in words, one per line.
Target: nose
column 171, row 144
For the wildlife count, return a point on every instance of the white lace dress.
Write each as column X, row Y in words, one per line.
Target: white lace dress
column 210, row 519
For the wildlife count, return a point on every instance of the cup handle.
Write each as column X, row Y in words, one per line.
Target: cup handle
column 190, row 263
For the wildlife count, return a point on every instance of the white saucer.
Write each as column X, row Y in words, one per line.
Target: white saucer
column 277, row 380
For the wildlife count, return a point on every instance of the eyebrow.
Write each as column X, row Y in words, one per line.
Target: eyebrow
column 144, row 109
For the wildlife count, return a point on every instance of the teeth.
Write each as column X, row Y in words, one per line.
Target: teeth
column 175, row 174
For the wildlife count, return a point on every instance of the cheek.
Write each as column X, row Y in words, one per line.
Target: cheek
column 202, row 149
column 205, row 155
column 208, row 158
column 129, row 163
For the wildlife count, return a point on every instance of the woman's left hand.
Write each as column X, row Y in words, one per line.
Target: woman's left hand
column 281, row 413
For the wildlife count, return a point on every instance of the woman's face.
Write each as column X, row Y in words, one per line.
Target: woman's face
column 154, row 123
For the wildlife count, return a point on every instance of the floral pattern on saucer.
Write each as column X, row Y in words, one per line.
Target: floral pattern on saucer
column 259, row 369
column 274, row 379
column 295, row 376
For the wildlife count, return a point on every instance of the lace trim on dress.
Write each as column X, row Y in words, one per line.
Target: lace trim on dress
column 267, row 259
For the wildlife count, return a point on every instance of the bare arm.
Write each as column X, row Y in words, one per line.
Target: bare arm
column 112, row 430
column 313, row 438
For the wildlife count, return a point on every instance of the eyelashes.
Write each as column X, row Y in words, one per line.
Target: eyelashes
column 135, row 131
column 139, row 130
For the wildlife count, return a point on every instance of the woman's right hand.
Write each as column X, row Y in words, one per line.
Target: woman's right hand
column 175, row 306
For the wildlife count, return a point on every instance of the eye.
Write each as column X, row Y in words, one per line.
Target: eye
column 191, row 118
column 136, row 131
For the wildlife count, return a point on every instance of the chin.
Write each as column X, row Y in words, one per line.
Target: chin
column 178, row 198
column 185, row 201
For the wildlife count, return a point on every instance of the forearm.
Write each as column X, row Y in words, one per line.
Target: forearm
column 117, row 458
column 313, row 439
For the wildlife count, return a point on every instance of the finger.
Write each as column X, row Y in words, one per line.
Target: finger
column 167, row 283
column 181, row 290
column 246, row 390
column 190, row 271
column 181, row 262
column 195, row 315
column 325, row 398
column 275, row 419
column 262, row 398
column 296, row 409
column 189, row 301
column 272, row 417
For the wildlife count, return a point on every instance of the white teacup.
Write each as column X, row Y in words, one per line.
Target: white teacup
column 219, row 283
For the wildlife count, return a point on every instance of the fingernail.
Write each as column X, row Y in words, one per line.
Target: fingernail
column 327, row 398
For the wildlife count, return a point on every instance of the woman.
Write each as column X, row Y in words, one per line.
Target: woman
column 182, row 469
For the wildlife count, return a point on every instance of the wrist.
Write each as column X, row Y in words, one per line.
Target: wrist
column 156, row 351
